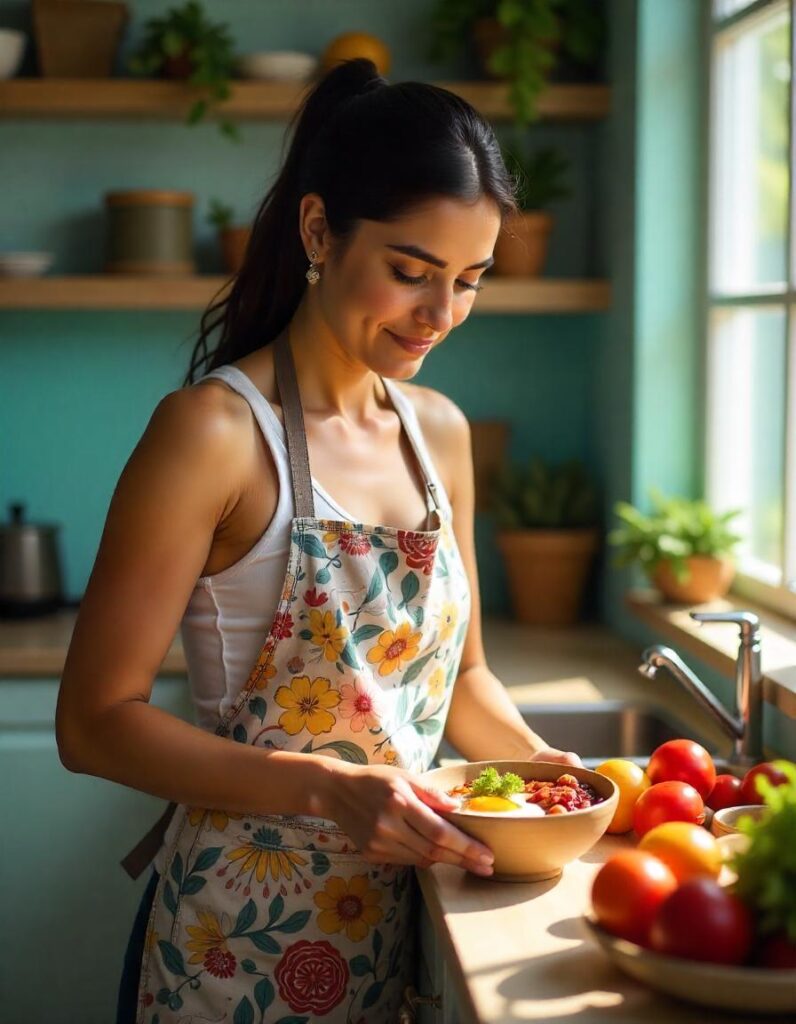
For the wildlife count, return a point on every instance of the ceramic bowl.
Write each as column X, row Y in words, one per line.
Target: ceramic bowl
column 755, row 990
column 531, row 849
column 25, row 264
column 278, row 65
column 725, row 821
column 12, row 46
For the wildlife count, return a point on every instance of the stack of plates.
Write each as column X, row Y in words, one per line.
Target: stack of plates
column 278, row 65
column 25, row 264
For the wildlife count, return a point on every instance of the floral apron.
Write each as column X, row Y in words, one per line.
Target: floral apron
column 279, row 918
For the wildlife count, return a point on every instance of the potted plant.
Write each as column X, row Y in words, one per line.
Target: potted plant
column 233, row 238
column 521, row 42
column 521, row 247
column 78, row 39
column 684, row 546
column 547, row 534
column 185, row 44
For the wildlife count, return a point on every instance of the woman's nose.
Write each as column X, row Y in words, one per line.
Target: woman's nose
column 437, row 316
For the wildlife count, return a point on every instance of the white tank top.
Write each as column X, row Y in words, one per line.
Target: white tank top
column 229, row 613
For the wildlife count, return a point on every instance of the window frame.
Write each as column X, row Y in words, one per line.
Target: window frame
column 779, row 598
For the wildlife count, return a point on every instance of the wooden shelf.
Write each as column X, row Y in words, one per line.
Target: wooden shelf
column 153, row 98
column 111, row 291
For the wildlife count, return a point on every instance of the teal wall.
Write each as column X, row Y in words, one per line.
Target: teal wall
column 77, row 389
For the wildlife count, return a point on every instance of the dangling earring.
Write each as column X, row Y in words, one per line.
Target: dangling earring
column 313, row 275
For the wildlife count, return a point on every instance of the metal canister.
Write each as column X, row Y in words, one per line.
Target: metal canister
column 30, row 569
column 150, row 231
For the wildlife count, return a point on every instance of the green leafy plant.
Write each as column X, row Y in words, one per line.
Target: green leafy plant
column 676, row 529
column 184, row 43
column 766, row 870
column 219, row 214
column 542, row 496
column 491, row 783
column 540, row 176
column 538, row 33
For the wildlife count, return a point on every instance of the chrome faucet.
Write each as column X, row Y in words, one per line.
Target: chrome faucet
column 744, row 726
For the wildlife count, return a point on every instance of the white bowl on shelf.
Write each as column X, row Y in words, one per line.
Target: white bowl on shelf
column 277, row 65
column 12, row 46
column 25, row 264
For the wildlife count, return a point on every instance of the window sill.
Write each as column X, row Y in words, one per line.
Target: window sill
column 717, row 643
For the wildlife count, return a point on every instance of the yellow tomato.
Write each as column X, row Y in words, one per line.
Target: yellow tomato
column 632, row 781
column 357, row 44
column 688, row 850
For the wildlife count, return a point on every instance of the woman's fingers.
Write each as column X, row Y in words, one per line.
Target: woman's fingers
column 434, row 837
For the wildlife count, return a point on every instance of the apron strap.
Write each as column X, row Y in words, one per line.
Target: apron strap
column 432, row 501
column 296, row 437
column 145, row 849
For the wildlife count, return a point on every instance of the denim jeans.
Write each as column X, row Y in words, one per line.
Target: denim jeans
column 131, row 972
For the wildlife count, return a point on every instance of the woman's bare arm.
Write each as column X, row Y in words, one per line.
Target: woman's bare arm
column 177, row 486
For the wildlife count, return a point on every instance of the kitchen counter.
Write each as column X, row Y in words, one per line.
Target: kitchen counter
column 520, row 952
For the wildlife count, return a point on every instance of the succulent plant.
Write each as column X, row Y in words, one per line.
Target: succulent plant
column 547, row 497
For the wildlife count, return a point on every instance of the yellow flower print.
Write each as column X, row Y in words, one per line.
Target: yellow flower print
column 360, row 703
column 326, row 635
column 449, row 616
column 263, row 855
column 351, row 907
column 208, row 935
column 265, row 676
column 218, row 819
column 390, row 757
column 436, row 683
column 307, row 705
column 392, row 649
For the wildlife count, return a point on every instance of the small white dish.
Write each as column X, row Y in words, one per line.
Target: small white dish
column 12, row 46
column 725, row 821
column 278, row 65
column 25, row 264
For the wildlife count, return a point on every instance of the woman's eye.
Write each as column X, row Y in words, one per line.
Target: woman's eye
column 406, row 279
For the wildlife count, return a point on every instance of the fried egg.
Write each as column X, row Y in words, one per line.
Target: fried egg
column 516, row 805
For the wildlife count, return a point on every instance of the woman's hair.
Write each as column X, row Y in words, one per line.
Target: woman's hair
column 372, row 151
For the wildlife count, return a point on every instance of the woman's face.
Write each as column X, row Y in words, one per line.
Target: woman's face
column 401, row 287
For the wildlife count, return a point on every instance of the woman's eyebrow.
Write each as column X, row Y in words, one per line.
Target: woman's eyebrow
column 420, row 254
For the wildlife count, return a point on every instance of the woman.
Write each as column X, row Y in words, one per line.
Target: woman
column 325, row 656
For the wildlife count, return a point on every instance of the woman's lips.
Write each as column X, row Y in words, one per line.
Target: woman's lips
column 417, row 348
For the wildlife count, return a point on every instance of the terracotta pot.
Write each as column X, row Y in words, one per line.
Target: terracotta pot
column 547, row 572
column 521, row 247
column 709, row 578
column 233, row 246
column 77, row 38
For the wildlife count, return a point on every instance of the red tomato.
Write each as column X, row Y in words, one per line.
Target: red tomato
column 667, row 801
column 701, row 920
column 726, row 793
column 777, row 951
column 627, row 891
column 683, row 761
column 776, row 776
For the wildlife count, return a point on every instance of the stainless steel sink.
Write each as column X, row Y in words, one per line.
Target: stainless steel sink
column 602, row 730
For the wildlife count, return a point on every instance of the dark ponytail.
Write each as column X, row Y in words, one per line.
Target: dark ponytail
column 372, row 151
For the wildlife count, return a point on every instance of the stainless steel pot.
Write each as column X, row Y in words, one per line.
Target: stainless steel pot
column 30, row 570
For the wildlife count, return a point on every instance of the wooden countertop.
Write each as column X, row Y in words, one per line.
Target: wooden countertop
column 520, row 952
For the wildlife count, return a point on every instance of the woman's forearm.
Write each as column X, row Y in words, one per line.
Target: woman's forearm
column 483, row 722
column 139, row 745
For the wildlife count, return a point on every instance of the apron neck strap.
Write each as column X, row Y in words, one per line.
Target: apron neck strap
column 296, row 435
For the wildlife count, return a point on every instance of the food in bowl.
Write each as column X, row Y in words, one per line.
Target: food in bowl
column 491, row 794
column 534, row 845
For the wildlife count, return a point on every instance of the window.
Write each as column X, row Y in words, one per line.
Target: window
column 751, row 326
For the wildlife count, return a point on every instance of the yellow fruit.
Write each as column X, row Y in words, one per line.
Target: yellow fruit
column 350, row 45
column 632, row 781
column 688, row 850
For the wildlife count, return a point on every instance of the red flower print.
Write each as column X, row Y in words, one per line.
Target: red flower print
column 314, row 599
column 295, row 664
column 419, row 550
column 354, row 543
column 283, row 625
column 220, row 963
column 312, row 977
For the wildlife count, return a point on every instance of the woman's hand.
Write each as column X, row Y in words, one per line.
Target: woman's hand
column 392, row 817
column 557, row 756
